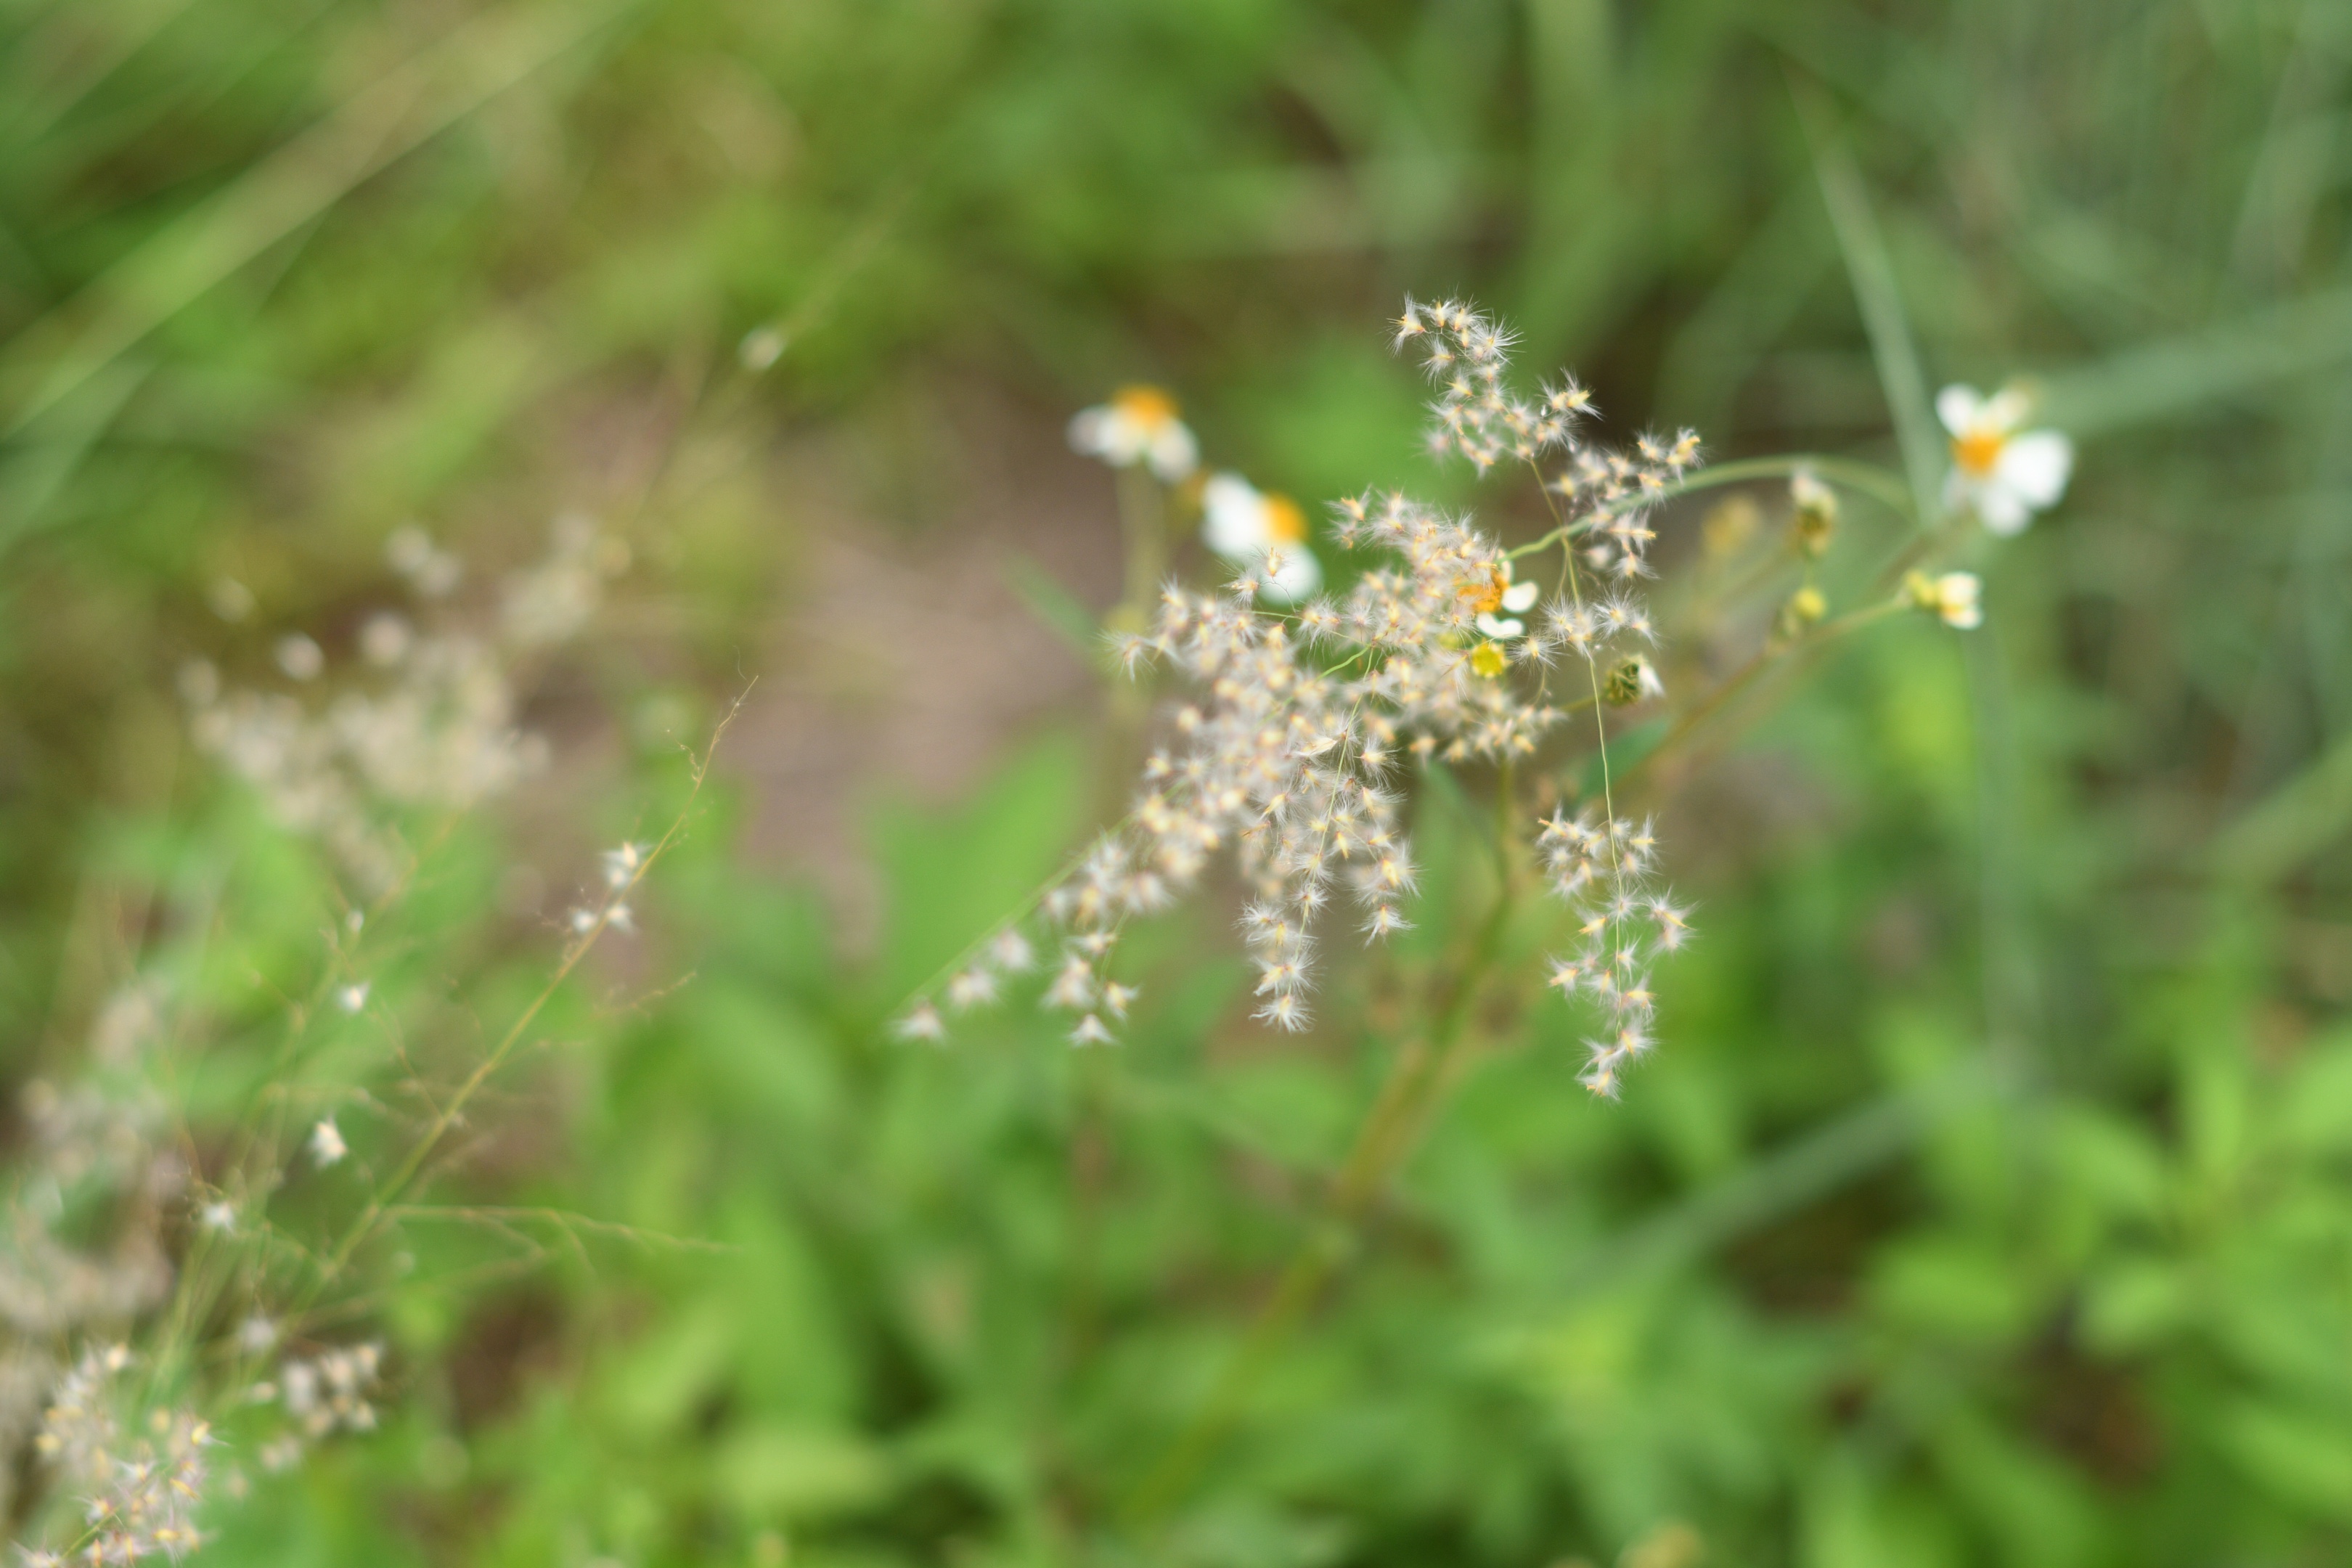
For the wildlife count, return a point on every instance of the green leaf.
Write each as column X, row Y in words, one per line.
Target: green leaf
column 773, row 1470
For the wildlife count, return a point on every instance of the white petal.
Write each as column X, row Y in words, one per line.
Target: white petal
column 1498, row 628
column 1959, row 600
column 1520, row 597
column 2005, row 410
column 2036, row 465
column 1233, row 521
column 1293, row 573
column 2002, row 509
column 1957, row 406
column 1090, row 432
column 1174, row 453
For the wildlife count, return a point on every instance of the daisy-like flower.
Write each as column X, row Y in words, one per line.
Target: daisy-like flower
column 1139, row 425
column 1956, row 597
column 2002, row 474
column 1501, row 602
column 1247, row 526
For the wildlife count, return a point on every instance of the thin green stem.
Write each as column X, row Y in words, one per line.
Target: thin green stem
column 1878, row 483
column 453, row 1109
column 1871, row 272
column 1020, row 911
column 1143, row 524
column 1766, row 659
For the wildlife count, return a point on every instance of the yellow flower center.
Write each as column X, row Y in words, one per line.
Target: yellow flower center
column 1146, row 405
column 1978, row 451
column 1486, row 597
column 1284, row 521
column 1488, row 660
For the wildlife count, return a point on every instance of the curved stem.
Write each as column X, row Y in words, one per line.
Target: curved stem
column 1871, row 480
column 1767, row 658
column 1406, row 1096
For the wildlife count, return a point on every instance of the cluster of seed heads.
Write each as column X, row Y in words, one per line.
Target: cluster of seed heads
column 1289, row 750
column 1603, row 866
column 424, row 716
column 140, row 1494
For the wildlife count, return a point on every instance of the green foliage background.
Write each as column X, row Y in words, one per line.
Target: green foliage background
column 1988, row 1203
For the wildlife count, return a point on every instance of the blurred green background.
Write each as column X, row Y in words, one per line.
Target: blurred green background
column 1988, row 1202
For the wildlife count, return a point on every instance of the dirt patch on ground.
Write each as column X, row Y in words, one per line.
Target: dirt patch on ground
column 900, row 657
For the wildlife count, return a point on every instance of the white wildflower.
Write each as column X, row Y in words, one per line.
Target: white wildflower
column 327, row 1145
column 1139, row 425
column 1957, row 597
column 1251, row 527
column 2001, row 473
column 1501, row 602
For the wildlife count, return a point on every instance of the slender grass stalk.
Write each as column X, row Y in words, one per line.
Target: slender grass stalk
column 1868, row 477
column 404, row 1175
column 1871, row 272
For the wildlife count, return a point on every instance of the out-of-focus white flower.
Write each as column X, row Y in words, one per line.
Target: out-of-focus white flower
column 1247, row 525
column 2001, row 473
column 327, row 1144
column 352, row 997
column 1956, row 597
column 1139, row 425
column 1502, row 602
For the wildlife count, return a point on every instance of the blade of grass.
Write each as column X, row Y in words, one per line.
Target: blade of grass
column 2295, row 821
column 2188, row 375
column 1862, row 1141
column 312, row 172
column 1864, row 249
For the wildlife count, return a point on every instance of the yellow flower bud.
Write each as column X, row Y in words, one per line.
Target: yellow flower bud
column 1806, row 608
